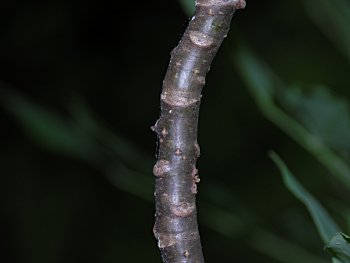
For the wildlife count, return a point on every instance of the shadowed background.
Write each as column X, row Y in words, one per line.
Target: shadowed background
column 79, row 89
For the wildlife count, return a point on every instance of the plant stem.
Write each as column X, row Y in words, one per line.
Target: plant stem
column 176, row 227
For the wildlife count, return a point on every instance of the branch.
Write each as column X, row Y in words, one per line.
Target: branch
column 176, row 225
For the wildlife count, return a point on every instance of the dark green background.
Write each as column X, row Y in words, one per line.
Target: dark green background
column 112, row 57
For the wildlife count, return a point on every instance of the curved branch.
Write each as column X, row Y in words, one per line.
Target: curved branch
column 176, row 175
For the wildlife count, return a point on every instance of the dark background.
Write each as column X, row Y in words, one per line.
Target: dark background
column 58, row 202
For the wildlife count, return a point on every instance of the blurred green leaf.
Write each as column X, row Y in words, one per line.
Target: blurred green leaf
column 263, row 85
column 111, row 141
column 48, row 129
column 258, row 78
column 224, row 222
column 129, row 181
column 343, row 210
column 82, row 138
column 282, row 250
column 188, row 6
column 80, row 135
column 326, row 227
column 327, row 117
column 333, row 19
column 339, row 247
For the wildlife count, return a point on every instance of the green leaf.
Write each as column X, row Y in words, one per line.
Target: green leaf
column 339, row 247
column 323, row 114
column 326, row 226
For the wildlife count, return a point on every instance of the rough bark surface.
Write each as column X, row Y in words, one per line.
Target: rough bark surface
column 176, row 227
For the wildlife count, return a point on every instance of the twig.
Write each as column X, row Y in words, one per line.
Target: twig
column 176, row 227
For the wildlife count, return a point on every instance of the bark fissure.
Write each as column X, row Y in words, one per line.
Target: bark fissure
column 176, row 227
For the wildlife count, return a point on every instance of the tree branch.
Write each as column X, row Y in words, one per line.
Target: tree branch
column 176, row 225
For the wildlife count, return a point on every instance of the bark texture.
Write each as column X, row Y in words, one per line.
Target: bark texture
column 176, row 227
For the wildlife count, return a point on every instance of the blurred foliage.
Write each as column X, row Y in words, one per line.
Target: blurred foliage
column 333, row 19
column 82, row 88
column 324, row 223
column 336, row 242
column 316, row 114
column 321, row 113
column 339, row 246
column 188, row 6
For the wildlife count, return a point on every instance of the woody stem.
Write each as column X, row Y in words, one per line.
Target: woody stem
column 176, row 227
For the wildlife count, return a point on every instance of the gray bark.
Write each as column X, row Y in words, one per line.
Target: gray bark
column 176, row 227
